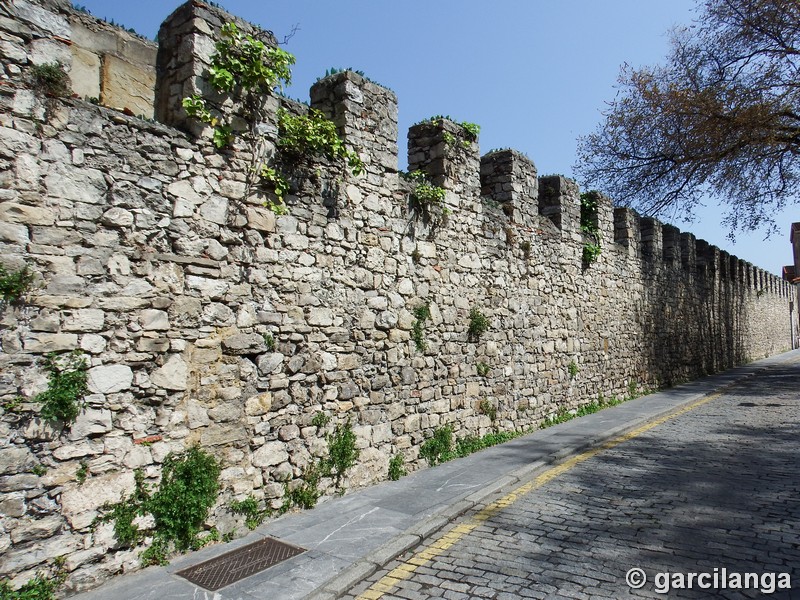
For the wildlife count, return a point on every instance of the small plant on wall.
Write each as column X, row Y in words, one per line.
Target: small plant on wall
column 466, row 132
column 426, row 201
column 421, row 314
column 478, row 324
column 14, row 284
column 51, row 80
column 63, row 398
column 573, row 369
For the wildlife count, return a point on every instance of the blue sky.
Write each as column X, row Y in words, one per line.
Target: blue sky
column 534, row 74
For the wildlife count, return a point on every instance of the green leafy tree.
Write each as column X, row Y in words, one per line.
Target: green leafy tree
column 721, row 118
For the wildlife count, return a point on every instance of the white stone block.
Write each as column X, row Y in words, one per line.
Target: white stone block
column 109, row 379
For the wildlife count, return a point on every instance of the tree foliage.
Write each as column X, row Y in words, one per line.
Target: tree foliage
column 721, row 118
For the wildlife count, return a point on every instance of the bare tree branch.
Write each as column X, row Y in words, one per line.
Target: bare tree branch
column 291, row 34
column 721, row 117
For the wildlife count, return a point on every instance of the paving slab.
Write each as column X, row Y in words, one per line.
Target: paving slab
column 348, row 538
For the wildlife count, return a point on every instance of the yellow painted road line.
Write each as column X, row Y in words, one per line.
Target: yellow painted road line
column 389, row 582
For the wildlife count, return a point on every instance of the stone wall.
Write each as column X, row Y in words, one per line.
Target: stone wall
column 209, row 320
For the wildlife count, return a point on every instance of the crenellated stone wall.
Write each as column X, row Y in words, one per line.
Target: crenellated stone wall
column 207, row 319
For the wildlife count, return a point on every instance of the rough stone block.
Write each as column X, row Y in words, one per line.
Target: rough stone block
column 109, row 379
column 173, row 375
column 219, row 435
column 270, row 454
column 154, row 320
column 11, row 212
column 244, row 343
column 85, row 320
column 42, row 343
column 15, row 459
column 258, row 405
column 79, row 504
column 91, row 422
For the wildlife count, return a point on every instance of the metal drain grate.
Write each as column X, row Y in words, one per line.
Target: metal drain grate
column 238, row 564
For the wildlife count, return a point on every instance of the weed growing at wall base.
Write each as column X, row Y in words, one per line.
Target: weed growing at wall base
column 179, row 507
column 320, row 419
column 342, row 452
column 440, row 447
column 396, row 468
column 487, row 408
column 249, row 509
column 43, row 586
column 564, row 414
column 306, row 494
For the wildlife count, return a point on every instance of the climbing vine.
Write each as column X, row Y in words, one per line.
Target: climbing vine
column 43, row 586
column 279, row 186
column 244, row 63
column 241, row 66
column 591, row 249
column 313, row 135
column 245, row 67
column 421, row 314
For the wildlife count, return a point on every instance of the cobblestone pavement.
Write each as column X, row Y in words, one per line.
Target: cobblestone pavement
column 717, row 487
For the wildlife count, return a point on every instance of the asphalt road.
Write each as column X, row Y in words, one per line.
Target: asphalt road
column 713, row 491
